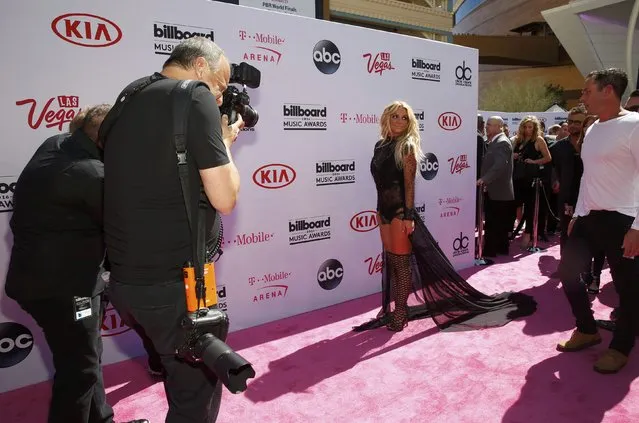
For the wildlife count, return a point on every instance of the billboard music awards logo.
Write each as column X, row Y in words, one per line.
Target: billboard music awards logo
column 426, row 69
column 419, row 115
column 304, row 117
column 449, row 206
column 274, row 176
column 364, row 221
column 463, row 75
column 449, row 121
column 330, row 274
column 458, row 164
column 112, row 324
column 167, row 35
column 334, row 172
column 7, row 187
column 360, row 118
column 429, row 166
column 309, row 229
column 326, row 57
column 379, row 63
column 85, row 30
column 56, row 112
column 222, row 301
column 16, row 342
column 460, row 245
column 265, row 53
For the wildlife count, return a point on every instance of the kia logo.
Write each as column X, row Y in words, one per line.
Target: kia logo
column 364, row 221
column 112, row 324
column 327, row 57
column 449, row 121
column 16, row 342
column 330, row 274
column 83, row 29
column 429, row 166
column 273, row 176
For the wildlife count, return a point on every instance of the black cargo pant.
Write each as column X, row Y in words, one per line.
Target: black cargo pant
column 76, row 347
column 602, row 231
column 193, row 393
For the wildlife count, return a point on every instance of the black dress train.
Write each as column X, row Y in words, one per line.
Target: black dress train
column 440, row 291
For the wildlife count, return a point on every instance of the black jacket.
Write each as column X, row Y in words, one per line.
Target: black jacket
column 58, row 245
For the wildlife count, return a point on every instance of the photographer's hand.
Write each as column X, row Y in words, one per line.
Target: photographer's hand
column 230, row 132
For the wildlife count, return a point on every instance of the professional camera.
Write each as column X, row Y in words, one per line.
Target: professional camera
column 235, row 101
column 205, row 331
column 205, row 327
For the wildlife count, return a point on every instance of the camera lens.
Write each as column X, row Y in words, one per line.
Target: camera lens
column 250, row 116
column 230, row 368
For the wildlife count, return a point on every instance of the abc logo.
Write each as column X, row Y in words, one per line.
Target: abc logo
column 16, row 342
column 326, row 57
column 7, row 188
column 330, row 274
column 463, row 72
column 461, row 242
column 429, row 166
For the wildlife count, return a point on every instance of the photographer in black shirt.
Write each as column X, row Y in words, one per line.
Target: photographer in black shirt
column 58, row 250
column 146, row 225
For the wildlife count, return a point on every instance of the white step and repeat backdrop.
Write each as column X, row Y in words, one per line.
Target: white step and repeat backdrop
column 304, row 233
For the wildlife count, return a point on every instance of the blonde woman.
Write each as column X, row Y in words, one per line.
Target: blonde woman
column 412, row 257
column 529, row 152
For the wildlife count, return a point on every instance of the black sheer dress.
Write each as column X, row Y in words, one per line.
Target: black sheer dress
column 438, row 291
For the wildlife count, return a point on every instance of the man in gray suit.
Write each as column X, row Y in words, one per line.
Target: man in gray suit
column 497, row 180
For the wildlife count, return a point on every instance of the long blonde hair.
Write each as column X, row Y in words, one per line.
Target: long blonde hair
column 519, row 138
column 409, row 140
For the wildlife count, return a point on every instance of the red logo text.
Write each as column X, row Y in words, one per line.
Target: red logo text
column 262, row 54
column 57, row 115
column 274, row 176
column 378, row 64
column 364, row 221
column 270, row 293
column 459, row 164
column 83, row 29
column 112, row 324
column 374, row 264
column 449, row 121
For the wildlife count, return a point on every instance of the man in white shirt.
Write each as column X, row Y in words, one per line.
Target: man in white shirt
column 606, row 218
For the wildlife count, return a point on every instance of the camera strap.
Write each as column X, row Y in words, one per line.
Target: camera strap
column 182, row 95
column 123, row 99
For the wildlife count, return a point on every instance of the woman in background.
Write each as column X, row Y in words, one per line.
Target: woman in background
column 529, row 152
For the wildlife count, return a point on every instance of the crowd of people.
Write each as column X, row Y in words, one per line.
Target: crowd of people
column 586, row 171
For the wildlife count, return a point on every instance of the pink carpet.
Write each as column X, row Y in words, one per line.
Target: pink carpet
column 312, row 368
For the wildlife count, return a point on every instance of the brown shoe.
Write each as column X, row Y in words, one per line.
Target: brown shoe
column 579, row 341
column 611, row 362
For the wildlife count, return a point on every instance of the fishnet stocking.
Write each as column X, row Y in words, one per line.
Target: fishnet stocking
column 401, row 284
